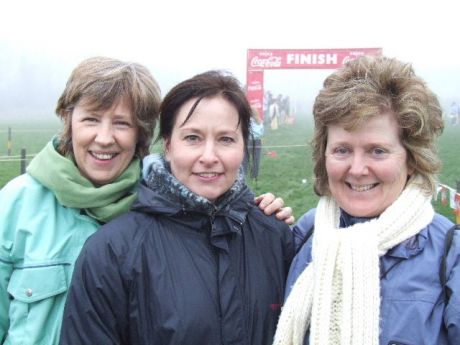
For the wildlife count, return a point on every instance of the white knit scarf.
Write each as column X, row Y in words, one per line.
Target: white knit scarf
column 338, row 295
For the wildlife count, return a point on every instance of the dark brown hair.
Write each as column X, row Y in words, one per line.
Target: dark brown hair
column 205, row 85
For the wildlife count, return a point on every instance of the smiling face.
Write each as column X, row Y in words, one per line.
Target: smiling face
column 103, row 142
column 206, row 152
column 367, row 167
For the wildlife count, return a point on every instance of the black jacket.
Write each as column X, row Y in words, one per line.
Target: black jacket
column 179, row 270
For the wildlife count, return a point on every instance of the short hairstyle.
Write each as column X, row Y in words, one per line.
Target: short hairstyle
column 100, row 82
column 367, row 87
column 205, row 85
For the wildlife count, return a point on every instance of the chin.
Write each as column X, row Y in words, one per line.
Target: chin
column 361, row 212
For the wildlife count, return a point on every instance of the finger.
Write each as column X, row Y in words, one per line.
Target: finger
column 284, row 213
column 290, row 220
column 259, row 198
column 274, row 206
column 287, row 217
column 266, row 200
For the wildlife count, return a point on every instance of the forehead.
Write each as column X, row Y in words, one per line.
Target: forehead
column 122, row 104
column 382, row 123
column 208, row 111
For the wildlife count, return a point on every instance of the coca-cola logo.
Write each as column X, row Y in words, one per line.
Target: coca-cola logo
column 255, row 87
column 270, row 62
column 256, row 103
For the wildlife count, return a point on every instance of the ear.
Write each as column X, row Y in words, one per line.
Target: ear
column 166, row 148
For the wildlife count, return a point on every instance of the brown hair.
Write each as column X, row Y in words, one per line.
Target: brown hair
column 370, row 86
column 205, row 85
column 100, row 82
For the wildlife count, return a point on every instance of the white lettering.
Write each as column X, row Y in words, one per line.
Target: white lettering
column 311, row 59
column 271, row 62
column 255, row 87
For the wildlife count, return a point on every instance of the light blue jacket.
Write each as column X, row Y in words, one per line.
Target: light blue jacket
column 39, row 243
column 413, row 309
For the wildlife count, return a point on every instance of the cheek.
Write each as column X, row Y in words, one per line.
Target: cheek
column 131, row 140
column 178, row 159
column 77, row 144
column 334, row 170
column 237, row 158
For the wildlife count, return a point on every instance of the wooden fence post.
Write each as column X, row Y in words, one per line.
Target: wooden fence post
column 9, row 141
column 23, row 161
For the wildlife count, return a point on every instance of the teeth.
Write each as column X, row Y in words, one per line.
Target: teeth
column 207, row 174
column 362, row 188
column 103, row 156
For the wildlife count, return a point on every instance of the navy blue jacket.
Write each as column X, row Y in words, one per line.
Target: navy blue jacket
column 413, row 310
column 164, row 274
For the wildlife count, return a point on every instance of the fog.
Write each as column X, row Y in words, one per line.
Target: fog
column 42, row 41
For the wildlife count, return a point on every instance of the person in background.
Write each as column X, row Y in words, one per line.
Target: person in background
column 251, row 161
column 454, row 114
column 83, row 178
column 195, row 261
column 371, row 269
column 274, row 112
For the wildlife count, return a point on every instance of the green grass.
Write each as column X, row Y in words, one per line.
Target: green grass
column 31, row 136
column 281, row 175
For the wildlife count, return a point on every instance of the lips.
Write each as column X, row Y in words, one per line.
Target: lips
column 361, row 187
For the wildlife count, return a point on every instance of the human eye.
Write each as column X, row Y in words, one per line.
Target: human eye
column 340, row 151
column 227, row 140
column 123, row 124
column 89, row 119
column 192, row 138
column 378, row 152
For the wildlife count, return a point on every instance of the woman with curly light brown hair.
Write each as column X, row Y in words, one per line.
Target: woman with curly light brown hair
column 83, row 178
column 371, row 269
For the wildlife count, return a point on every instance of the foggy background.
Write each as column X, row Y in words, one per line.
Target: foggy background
column 42, row 41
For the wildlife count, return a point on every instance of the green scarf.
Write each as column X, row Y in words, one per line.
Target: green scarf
column 61, row 175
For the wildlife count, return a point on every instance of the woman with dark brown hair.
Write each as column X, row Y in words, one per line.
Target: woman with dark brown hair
column 195, row 261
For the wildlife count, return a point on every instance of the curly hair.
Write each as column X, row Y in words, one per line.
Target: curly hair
column 99, row 83
column 368, row 87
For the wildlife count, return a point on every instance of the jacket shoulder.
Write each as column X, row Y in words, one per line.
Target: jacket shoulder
column 22, row 199
column 121, row 235
column 438, row 228
column 260, row 220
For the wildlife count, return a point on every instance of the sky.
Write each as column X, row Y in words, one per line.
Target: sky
column 41, row 41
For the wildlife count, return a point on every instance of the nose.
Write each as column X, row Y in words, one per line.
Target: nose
column 208, row 155
column 105, row 135
column 358, row 165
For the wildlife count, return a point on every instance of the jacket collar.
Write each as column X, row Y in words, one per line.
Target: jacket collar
column 166, row 193
column 406, row 249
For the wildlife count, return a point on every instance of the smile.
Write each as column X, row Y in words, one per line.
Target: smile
column 361, row 188
column 208, row 175
column 103, row 156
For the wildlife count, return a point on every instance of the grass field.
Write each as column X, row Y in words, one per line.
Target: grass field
column 285, row 165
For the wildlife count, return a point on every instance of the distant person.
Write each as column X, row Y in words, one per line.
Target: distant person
column 454, row 114
column 195, row 261
column 274, row 113
column 371, row 269
column 267, row 102
column 83, row 178
column 285, row 109
column 252, row 157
